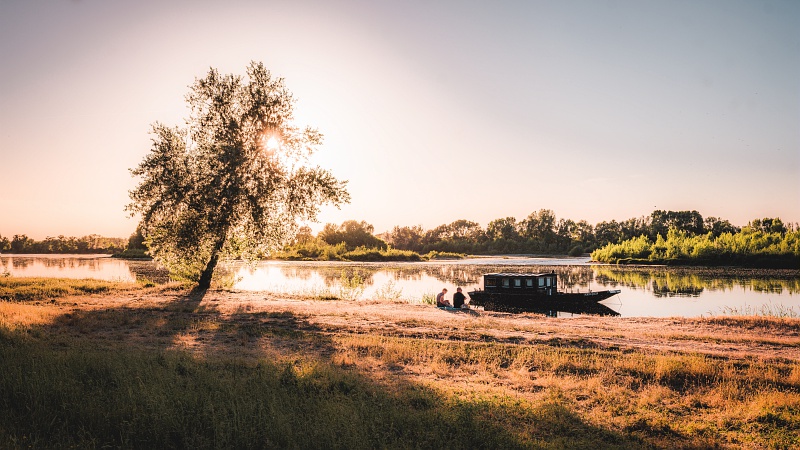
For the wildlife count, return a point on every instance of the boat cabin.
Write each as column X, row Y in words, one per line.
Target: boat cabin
column 540, row 283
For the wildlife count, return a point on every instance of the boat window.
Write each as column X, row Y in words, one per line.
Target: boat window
column 549, row 281
column 541, row 282
column 517, row 282
column 491, row 282
column 529, row 282
column 505, row 282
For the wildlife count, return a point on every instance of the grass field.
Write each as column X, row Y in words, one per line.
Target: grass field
column 160, row 367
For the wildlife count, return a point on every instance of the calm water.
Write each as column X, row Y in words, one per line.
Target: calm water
column 646, row 292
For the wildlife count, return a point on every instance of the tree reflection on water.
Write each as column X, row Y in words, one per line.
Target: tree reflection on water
column 660, row 281
column 667, row 281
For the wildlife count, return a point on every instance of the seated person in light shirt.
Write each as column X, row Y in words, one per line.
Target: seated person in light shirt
column 440, row 300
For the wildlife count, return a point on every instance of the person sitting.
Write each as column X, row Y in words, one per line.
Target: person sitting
column 458, row 299
column 440, row 300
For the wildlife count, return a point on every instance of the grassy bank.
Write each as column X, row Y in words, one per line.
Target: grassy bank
column 33, row 289
column 141, row 367
column 315, row 251
column 749, row 248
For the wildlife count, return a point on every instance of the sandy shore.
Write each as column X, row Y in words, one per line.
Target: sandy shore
column 725, row 337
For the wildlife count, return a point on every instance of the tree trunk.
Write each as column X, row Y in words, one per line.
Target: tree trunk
column 205, row 278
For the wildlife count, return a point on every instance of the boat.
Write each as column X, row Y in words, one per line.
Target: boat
column 536, row 292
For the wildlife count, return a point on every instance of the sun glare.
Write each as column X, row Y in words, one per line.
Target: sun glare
column 272, row 143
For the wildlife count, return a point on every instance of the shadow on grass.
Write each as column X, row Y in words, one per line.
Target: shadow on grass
column 112, row 377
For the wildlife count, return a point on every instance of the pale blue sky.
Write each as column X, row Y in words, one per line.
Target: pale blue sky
column 434, row 111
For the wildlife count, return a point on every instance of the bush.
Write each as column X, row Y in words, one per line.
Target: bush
column 375, row 254
column 576, row 251
column 747, row 248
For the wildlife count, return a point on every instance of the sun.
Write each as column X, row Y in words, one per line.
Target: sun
column 273, row 144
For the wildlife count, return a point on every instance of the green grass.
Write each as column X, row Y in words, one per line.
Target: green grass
column 80, row 397
column 27, row 289
column 133, row 253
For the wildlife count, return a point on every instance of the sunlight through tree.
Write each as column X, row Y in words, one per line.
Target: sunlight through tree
column 235, row 181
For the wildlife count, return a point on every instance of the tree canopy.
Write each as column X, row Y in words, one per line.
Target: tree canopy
column 235, row 181
column 354, row 234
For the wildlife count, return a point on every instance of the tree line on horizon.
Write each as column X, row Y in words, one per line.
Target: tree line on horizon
column 663, row 237
column 93, row 243
column 539, row 233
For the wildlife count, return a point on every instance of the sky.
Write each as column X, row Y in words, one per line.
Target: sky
column 434, row 111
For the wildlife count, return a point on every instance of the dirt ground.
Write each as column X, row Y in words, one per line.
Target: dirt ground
column 202, row 316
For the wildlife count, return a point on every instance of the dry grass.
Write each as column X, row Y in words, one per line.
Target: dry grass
column 540, row 382
column 23, row 316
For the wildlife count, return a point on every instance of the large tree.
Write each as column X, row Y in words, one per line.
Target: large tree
column 235, row 181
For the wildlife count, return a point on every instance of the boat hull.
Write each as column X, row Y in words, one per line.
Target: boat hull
column 577, row 303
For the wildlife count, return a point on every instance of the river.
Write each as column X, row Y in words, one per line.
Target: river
column 645, row 291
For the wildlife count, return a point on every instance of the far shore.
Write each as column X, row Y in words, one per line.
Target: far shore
column 785, row 268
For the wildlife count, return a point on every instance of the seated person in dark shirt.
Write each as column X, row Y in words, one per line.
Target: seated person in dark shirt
column 458, row 299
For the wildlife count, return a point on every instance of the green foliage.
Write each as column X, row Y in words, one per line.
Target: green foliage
column 312, row 250
column 542, row 233
column 351, row 241
column 234, row 181
column 318, row 250
column 407, row 238
column 351, row 285
column 662, row 221
column 136, row 240
column 432, row 255
column 576, row 251
column 428, row 299
column 768, row 225
column 374, row 254
column 353, row 234
column 750, row 246
column 133, row 253
column 502, row 229
column 389, row 291
column 632, row 240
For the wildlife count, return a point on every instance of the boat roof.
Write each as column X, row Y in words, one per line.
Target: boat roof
column 517, row 274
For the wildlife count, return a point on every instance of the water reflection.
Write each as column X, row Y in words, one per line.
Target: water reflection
column 562, row 310
column 661, row 282
column 646, row 291
column 668, row 282
column 651, row 291
column 100, row 267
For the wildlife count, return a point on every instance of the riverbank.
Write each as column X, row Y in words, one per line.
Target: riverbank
column 236, row 369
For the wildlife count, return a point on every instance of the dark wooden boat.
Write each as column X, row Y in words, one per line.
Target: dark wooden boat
column 536, row 292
